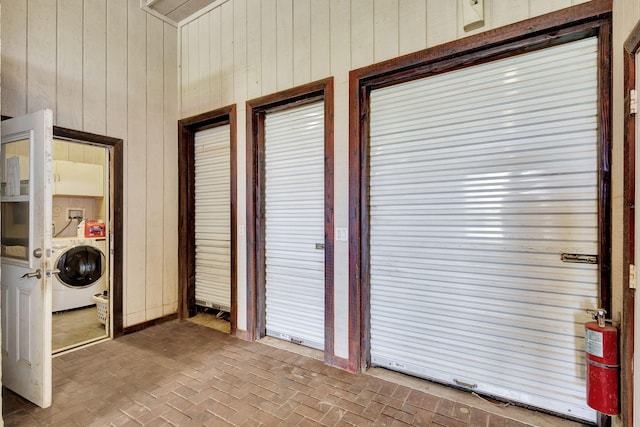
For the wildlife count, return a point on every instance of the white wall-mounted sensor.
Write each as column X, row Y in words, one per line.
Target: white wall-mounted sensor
column 473, row 14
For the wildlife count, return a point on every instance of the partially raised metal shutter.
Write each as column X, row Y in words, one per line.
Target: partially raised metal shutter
column 480, row 180
column 213, row 218
column 294, row 235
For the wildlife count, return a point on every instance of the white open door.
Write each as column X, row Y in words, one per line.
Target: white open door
column 25, row 196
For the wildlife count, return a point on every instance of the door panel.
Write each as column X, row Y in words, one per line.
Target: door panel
column 212, row 167
column 25, row 162
column 294, row 231
column 483, row 184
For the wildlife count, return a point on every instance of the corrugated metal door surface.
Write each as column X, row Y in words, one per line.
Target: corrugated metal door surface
column 213, row 217
column 480, row 179
column 294, row 217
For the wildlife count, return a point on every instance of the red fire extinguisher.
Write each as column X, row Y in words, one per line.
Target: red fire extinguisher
column 603, row 365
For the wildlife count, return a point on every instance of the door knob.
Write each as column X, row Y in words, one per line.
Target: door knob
column 37, row 274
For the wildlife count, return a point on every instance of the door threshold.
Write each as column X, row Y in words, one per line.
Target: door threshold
column 292, row 347
column 518, row 413
column 79, row 346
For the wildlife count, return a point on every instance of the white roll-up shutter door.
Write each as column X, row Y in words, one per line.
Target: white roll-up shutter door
column 480, row 179
column 213, row 217
column 294, row 217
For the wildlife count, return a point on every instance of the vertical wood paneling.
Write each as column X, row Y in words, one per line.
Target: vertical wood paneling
column 268, row 51
column 385, row 22
column 116, row 50
column 136, row 166
column 215, row 57
column 69, row 64
column 241, row 215
column 88, row 61
column 320, row 39
column 240, row 49
column 340, row 65
column 301, row 42
column 193, row 67
column 203, row 59
column 116, row 70
column 412, row 25
column 340, row 39
column 14, row 58
column 94, row 80
column 631, row 12
column 170, row 172
column 226, row 53
column 254, row 50
column 507, row 13
column 41, row 55
column 361, row 33
column 185, row 81
column 284, row 44
column 155, row 163
column 539, row 7
column 441, row 22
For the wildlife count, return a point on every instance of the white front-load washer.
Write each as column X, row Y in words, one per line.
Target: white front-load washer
column 81, row 269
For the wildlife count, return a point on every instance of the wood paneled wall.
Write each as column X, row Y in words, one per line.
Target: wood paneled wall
column 107, row 67
column 244, row 49
column 248, row 48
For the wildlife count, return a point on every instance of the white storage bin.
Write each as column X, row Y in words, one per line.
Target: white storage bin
column 102, row 304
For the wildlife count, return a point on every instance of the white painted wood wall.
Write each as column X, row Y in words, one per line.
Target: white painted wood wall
column 104, row 66
column 107, row 67
column 243, row 49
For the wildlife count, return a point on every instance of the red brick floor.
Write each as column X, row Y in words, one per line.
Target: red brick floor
column 183, row 374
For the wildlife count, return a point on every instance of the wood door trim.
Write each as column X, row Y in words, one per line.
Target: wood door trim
column 117, row 229
column 256, row 111
column 187, row 129
column 631, row 50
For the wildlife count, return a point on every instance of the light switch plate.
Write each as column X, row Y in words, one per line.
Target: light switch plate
column 341, row 234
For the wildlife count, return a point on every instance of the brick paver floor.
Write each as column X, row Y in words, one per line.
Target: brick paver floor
column 182, row 374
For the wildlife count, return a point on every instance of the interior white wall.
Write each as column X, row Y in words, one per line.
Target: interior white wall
column 244, row 49
column 107, row 67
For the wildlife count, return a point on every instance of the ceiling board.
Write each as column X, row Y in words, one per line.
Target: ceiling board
column 174, row 11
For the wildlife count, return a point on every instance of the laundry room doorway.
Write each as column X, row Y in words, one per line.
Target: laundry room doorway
column 80, row 224
column 86, row 239
column 29, row 180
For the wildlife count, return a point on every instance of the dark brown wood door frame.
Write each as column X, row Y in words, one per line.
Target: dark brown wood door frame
column 187, row 129
column 574, row 23
column 114, row 147
column 256, row 112
column 631, row 50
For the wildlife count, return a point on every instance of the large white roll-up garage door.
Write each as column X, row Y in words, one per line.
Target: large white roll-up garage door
column 480, row 180
column 294, row 230
column 213, row 217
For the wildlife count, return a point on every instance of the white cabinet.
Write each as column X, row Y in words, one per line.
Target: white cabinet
column 77, row 179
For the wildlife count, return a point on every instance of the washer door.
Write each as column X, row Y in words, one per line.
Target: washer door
column 80, row 266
